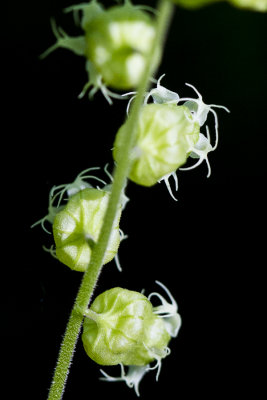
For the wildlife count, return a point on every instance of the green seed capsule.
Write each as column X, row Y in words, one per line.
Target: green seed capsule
column 165, row 133
column 122, row 328
column 118, row 42
column 76, row 229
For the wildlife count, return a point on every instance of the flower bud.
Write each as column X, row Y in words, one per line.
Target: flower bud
column 116, row 44
column 122, row 328
column 76, row 228
column 165, row 135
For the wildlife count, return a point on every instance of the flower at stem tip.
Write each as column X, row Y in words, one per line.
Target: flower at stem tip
column 115, row 43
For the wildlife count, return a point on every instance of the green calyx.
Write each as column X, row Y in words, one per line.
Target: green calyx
column 121, row 328
column 165, row 134
column 118, row 42
column 76, row 229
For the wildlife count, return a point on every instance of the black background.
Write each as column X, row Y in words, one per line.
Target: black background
column 208, row 248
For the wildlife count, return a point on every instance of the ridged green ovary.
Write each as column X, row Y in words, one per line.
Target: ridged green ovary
column 118, row 42
column 165, row 133
column 122, row 328
column 76, row 228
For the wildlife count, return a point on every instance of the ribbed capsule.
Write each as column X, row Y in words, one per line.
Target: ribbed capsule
column 76, row 228
column 165, row 133
column 121, row 328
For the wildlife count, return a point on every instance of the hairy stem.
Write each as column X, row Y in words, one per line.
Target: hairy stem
column 90, row 277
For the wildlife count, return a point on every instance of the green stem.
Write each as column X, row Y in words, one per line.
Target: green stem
column 90, row 277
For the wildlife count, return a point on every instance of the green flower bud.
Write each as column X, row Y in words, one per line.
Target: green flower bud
column 122, row 327
column 118, row 42
column 76, row 228
column 165, row 133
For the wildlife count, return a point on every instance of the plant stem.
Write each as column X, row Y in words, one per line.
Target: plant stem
column 90, row 277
